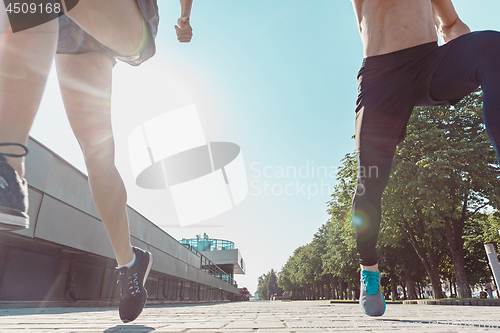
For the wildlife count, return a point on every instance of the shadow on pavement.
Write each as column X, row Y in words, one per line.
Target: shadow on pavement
column 129, row 328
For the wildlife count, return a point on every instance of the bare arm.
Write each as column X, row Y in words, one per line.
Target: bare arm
column 183, row 27
column 186, row 6
column 448, row 24
column 357, row 12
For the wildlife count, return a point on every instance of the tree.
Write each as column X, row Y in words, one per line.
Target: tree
column 341, row 258
column 479, row 231
column 444, row 179
column 444, row 174
column 332, row 252
column 268, row 285
column 288, row 278
column 402, row 213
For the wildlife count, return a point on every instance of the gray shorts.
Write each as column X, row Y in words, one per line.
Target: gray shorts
column 73, row 40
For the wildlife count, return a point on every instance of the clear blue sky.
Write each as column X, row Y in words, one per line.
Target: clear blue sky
column 276, row 77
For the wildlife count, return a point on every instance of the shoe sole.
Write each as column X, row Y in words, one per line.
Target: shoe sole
column 12, row 222
column 150, row 264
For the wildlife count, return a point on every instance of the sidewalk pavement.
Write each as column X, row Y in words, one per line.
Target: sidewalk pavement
column 255, row 316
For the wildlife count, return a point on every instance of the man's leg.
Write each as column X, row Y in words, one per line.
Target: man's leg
column 116, row 24
column 85, row 81
column 374, row 168
column 381, row 117
column 471, row 61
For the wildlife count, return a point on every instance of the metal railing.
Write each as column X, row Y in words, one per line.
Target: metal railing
column 207, row 266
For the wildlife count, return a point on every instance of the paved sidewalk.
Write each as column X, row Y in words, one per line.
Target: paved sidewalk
column 259, row 316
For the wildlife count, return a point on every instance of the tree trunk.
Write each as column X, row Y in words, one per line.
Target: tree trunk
column 455, row 243
column 341, row 288
column 434, row 272
column 431, row 267
column 436, row 283
column 391, row 265
column 334, row 288
column 394, row 286
column 410, row 285
column 387, row 292
column 428, row 258
column 332, row 284
column 331, row 287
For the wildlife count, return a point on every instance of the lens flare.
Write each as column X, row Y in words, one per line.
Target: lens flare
column 360, row 221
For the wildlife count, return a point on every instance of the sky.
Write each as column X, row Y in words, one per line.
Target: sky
column 277, row 78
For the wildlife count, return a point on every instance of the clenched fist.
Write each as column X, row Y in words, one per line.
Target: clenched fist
column 184, row 30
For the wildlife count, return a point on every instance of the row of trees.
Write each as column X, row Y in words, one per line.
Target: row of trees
column 439, row 208
column 268, row 285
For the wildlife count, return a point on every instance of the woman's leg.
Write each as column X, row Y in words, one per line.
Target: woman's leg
column 25, row 61
column 85, row 81
column 116, row 24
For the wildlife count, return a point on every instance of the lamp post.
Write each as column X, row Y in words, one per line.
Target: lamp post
column 493, row 259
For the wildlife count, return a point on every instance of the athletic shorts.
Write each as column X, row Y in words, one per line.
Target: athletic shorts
column 73, row 40
column 389, row 87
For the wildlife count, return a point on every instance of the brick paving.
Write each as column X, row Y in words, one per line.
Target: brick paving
column 257, row 316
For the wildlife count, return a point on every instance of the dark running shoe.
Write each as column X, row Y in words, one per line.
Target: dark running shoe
column 132, row 292
column 371, row 300
column 13, row 195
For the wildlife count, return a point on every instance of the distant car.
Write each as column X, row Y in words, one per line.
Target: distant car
column 475, row 294
column 244, row 294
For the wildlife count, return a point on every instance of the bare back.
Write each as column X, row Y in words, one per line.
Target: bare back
column 390, row 25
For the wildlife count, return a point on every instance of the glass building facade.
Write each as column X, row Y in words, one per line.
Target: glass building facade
column 203, row 243
column 208, row 244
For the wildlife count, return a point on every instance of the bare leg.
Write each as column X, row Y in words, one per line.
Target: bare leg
column 26, row 57
column 114, row 23
column 85, row 81
column 25, row 60
column 373, row 268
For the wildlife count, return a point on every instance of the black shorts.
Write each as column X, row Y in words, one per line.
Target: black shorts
column 390, row 85
column 73, row 40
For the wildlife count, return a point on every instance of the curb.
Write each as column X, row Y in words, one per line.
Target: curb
column 92, row 304
column 469, row 303
column 357, row 302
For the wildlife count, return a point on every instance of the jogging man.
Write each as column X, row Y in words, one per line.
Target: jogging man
column 404, row 67
column 86, row 43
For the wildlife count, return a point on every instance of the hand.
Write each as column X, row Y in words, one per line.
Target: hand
column 184, row 30
column 457, row 29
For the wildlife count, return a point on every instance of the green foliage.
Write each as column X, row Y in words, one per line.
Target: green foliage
column 444, row 174
column 268, row 285
column 340, row 258
column 480, row 230
column 437, row 210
